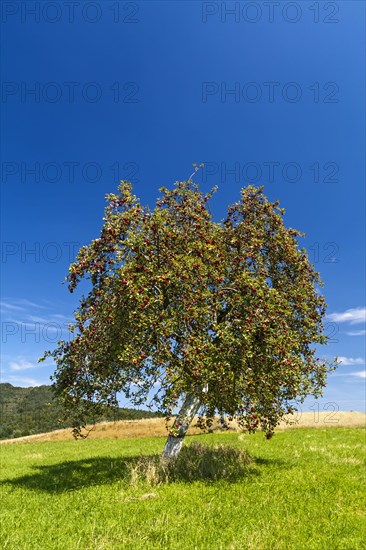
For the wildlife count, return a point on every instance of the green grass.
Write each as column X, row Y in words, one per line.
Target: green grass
column 303, row 490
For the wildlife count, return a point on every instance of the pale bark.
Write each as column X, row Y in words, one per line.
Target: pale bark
column 181, row 424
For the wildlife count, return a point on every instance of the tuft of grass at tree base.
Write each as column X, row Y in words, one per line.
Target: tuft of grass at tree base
column 302, row 489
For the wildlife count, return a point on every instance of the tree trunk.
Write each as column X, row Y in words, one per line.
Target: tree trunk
column 181, row 424
column 223, row 424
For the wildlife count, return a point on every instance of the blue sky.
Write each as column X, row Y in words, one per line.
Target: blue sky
column 263, row 93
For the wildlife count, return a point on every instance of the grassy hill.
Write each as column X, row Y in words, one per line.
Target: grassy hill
column 27, row 411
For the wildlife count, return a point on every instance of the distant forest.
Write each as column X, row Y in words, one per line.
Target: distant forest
column 28, row 411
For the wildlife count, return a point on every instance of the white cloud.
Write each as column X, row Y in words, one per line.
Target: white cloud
column 51, row 321
column 352, row 316
column 22, row 364
column 21, row 304
column 63, row 317
column 360, row 374
column 28, row 310
column 35, row 323
column 361, row 332
column 11, row 307
column 351, row 361
column 28, row 303
column 37, row 319
column 19, row 363
column 23, row 382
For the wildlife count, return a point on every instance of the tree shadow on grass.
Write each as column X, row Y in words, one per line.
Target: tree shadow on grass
column 195, row 463
column 74, row 474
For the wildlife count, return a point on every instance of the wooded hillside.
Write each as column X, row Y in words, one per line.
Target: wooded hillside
column 27, row 411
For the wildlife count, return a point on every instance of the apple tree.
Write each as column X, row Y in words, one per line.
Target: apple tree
column 215, row 317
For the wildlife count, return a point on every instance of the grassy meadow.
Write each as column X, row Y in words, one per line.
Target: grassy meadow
column 305, row 488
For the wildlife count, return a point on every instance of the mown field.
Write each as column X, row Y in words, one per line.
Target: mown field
column 156, row 427
column 305, row 488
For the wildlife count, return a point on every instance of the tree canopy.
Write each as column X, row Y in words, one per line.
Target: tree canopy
column 180, row 304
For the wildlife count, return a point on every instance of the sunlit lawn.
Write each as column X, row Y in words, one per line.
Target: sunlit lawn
column 305, row 489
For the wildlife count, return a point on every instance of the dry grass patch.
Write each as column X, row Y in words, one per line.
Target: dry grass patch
column 194, row 462
column 155, row 427
column 342, row 419
column 346, row 460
